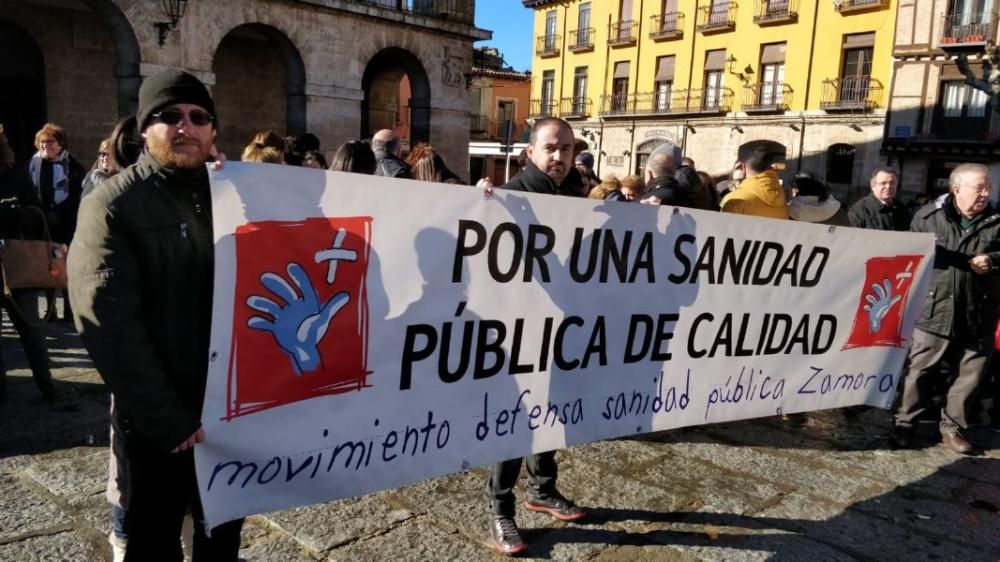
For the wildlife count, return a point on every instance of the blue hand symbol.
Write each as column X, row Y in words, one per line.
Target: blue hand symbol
column 879, row 304
column 300, row 325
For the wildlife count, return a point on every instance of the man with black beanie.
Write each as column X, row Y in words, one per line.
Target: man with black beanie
column 140, row 277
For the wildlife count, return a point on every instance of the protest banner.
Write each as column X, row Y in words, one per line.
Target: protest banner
column 368, row 333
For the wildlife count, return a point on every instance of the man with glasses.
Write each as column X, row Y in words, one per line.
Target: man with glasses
column 141, row 268
column 959, row 312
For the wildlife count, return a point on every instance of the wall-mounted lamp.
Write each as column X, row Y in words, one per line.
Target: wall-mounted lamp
column 174, row 10
column 856, row 127
column 794, row 127
column 737, row 128
column 628, row 129
column 690, row 129
column 627, row 153
column 743, row 76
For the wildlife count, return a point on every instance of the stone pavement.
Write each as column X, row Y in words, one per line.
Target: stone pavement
column 750, row 490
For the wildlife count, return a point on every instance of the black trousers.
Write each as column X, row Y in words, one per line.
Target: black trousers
column 162, row 486
column 23, row 314
column 542, row 475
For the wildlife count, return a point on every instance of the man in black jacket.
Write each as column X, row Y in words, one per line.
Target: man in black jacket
column 880, row 210
column 140, row 276
column 386, row 146
column 959, row 312
column 549, row 170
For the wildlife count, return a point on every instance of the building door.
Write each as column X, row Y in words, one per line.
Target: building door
column 856, row 74
column 550, row 31
column 583, row 25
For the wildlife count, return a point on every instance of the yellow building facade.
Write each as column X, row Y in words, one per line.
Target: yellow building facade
column 711, row 75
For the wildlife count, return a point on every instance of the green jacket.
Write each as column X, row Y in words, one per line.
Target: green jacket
column 140, row 279
column 959, row 302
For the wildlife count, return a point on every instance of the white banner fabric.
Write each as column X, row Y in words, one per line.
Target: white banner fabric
column 369, row 333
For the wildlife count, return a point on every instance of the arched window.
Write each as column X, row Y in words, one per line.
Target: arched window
column 840, row 163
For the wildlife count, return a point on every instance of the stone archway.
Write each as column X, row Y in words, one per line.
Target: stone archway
column 127, row 54
column 22, row 109
column 259, row 84
column 50, row 73
column 387, row 77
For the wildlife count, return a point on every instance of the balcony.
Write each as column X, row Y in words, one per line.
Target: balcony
column 621, row 33
column 677, row 102
column 485, row 128
column 856, row 93
column 542, row 108
column 581, row 40
column 548, row 46
column 667, row 26
column 461, row 11
column 720, row 16
column 479, row 126
column 851, row 6
column 968, row 32
column 634, row 104
column 773, row 97
column 773, row 12
column 575, row 107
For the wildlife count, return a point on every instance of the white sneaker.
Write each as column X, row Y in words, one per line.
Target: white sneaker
column 118, row 545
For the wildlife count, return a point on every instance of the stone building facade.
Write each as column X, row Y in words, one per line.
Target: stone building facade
column 329, row 67
column 936, row 120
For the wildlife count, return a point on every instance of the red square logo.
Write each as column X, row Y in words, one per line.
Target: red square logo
column 300, row 322
column 879, row 317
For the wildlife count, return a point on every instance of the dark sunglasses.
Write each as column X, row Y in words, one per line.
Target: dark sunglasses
column 175, row 116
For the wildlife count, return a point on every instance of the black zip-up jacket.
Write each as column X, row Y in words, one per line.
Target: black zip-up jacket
column 869, row 212
column 533, row 180
column 391, row 167
column 960, row 303
column 140, row 279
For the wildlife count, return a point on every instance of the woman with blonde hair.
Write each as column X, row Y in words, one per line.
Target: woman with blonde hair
column 427, row 165
column 601, row 191
column 267, row 147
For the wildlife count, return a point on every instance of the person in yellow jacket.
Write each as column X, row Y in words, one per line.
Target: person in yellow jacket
column 760, row 194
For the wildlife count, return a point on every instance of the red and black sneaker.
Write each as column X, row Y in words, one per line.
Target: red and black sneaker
column 557, row 506
column 506, row 538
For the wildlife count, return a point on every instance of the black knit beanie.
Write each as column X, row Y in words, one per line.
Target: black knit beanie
column 169, row 87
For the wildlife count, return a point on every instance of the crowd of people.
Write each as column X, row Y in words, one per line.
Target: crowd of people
column 141, row 297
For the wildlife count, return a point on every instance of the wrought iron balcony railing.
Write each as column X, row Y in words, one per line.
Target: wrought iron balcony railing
column 766, row 97
column 853, row 93
column 581, row 39
column 848, row 6
column 485, row 128
column 705, row 100
column 667, row 26
column 622, row 33
column 548, row 45
column 542, row 108
column 575, row 107
column 720, row 16
column 455, row 10
column 776, row 11
column 968, row 29
column 479, row 125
